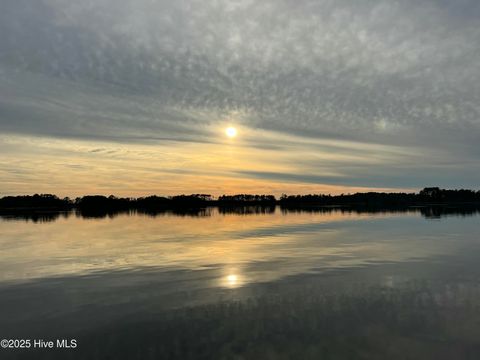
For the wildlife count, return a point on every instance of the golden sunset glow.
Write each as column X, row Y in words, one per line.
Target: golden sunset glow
column 185, row 167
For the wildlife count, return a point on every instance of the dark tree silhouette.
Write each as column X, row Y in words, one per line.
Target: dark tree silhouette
column 44, row 201
column 99, row 205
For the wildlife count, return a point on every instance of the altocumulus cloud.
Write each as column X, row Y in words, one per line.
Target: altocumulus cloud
column 404, row 74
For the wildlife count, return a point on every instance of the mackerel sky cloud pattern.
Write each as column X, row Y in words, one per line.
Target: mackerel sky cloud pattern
column 329, row 96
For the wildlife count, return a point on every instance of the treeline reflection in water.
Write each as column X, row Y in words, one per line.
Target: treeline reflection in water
column 428, row 212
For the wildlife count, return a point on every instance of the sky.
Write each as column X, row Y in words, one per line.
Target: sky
column 132, row 97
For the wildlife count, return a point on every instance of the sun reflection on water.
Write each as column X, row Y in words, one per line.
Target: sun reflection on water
column 232, row 280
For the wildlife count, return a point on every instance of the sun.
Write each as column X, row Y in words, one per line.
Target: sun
column 231, row 132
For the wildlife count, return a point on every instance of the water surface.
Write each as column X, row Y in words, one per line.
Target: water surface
column 244, row 283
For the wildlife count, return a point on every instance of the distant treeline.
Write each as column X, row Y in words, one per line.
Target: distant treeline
column 430, row 195
column 102, row 204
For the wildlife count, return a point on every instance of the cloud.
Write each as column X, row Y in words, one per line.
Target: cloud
column 400, row 74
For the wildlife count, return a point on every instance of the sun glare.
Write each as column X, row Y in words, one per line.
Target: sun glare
column 231, row 132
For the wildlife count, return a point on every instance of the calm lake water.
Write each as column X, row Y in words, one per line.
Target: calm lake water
column 243, row 284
